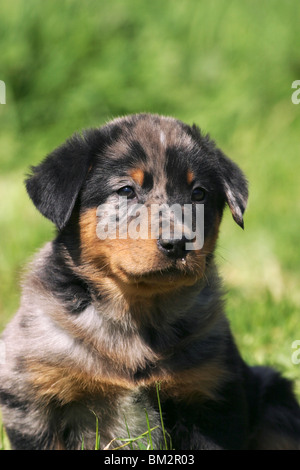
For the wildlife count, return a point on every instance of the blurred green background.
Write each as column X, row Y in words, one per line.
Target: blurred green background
column 227, row 66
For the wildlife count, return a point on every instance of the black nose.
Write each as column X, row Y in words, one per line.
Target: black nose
column 173, row 248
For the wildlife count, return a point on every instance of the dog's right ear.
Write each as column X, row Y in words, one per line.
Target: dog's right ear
column 54, row 185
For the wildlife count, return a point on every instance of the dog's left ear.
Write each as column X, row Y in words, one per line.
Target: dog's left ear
column 235, row 187
column 54, row 185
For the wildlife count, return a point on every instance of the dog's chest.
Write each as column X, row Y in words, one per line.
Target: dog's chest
column 115, row 418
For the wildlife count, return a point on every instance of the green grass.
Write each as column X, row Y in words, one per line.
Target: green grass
column 142, row 442
column 226, row 65
column 4, row 443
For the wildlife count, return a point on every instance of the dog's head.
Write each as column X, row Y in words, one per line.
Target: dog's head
column 146, row 165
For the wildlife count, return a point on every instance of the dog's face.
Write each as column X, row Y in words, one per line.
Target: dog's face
column 152, row 161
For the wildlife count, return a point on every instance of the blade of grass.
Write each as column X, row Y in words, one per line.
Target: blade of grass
column 141, row 436
column 97, row 443
column 127, row 428
column 149, row 430
column 97, row 439
column 2, row 438
column 160, row 413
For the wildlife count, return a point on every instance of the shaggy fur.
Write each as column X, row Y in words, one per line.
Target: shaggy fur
column 101, row 322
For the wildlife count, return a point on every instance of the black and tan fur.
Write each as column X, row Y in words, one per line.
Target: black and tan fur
column 102, row 321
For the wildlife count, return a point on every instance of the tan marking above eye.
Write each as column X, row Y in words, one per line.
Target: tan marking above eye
column 138, row 176
column 190, row 177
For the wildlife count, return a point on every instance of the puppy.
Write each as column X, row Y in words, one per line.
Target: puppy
column 105, row 319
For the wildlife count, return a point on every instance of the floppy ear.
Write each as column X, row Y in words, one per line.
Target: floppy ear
column 55, row 184
column 235, row 187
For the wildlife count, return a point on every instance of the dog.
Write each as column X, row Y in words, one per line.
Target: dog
column 110, row 327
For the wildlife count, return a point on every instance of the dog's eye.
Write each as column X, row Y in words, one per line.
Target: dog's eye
column 198, row 194
column 126, row 191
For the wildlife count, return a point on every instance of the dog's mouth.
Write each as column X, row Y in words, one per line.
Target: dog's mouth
column 177, row 272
